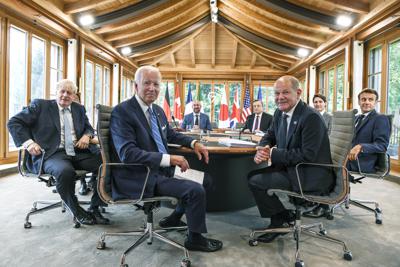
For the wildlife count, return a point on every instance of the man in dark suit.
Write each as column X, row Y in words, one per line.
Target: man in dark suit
column 197, row 119
column 297, row 134
column 319, row 102
column 140, row 133
column 259, row 120
column 61, row 129
column 372, row 133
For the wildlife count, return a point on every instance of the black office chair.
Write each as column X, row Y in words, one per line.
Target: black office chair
column 146, row 204
column 383, row 169
column 340, row 145
column 24, row 163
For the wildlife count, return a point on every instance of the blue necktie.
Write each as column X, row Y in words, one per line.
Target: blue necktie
column 156, row 132
column 68, row 143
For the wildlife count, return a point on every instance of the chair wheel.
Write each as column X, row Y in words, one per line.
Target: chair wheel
column 323, row 232
column 378, row 221
column 253, row 242
column 77, row 225
column 329, row 216
column 124, row 265
column 185, row 263
column 348, row 256
column 101, row 245
column 299, row 264
column 27, row 225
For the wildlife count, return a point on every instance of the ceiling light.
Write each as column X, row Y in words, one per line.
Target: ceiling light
column 86, row 20
column 214, row 18
column 344, row 21
column 302, row 52
column 126, row 50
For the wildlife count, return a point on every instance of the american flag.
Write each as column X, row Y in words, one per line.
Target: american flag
column 246, row 104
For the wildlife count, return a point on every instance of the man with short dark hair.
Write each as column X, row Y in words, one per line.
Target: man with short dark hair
column 372, row 133
column 61, row 128
column 197, row 119
column 140, row 133
column 297, row 135
column 258, row 121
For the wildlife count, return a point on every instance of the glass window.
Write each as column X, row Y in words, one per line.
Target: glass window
column 330, row 95
column 89, row 71
column 206, row 96
column 56, row 67
column 393, row 98
column 38, row 77
column 218, row 87
column 260, row 91
column 193, row 89
column 340, row 87
column 375, row 68
column 171, row 92
column 270, row 107
column 233, row 87
column 17, row 74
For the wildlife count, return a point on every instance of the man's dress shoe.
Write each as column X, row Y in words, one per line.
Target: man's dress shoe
column 83, row 217
column 83, row 189
column 167, row 222
column 98, row 217
column 210, row 245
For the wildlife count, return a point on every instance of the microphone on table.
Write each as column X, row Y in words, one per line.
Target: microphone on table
column 173, row 119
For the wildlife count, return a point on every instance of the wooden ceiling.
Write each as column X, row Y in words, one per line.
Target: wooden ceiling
column 251, row 36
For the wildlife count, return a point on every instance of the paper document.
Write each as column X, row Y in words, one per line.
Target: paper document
column 231, row 142
column 189, row 174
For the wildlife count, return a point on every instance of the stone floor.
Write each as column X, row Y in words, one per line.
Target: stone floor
column 52, row 241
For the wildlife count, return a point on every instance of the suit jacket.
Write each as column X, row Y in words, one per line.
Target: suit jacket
column 328, row 121
column 204, row 122
column 373, row 135
column 132, row 142
column 266, row 121
column 40, row 121
column 307, row 141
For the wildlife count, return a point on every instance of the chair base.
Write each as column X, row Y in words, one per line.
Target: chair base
column 49, row 205
column 361, row 204
column 146, row 233
column 299, row 229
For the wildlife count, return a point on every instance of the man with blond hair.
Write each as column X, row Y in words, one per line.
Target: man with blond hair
column 60, row 129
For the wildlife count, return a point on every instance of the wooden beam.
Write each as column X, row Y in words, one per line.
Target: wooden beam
column 221, row 69
column 183, row 43
column 378, row 27
column 234, row 53
column 253, row 61
column 242, row 43
column 192, row 55
column 172, row 59
column 84, row 5
column 175, row 18
column 352, row 6
column 213, row 36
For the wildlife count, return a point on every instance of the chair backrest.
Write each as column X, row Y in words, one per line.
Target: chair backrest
column 340, row 139
column 103, row 133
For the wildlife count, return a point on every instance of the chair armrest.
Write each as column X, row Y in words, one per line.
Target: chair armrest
column 313, row 164
column 22, row 163
column 126, row 165
column 381, row 176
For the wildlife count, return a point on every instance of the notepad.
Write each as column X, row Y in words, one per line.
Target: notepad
column 231, row 142
column 189, row 174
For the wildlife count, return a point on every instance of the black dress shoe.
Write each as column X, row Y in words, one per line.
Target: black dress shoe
column 210, row 245
column 83, row 189
column 168, row 222
column 269, row 237
column 83, row 217
column 98, row 217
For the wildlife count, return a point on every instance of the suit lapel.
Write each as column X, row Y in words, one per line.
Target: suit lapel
column 366, row 120
column 294, row 122
column 55, row 115
column 139, row 112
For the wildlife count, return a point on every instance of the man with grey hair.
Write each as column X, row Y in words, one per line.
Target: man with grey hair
column 60, row 129
column 140, row 133
column 297, row 135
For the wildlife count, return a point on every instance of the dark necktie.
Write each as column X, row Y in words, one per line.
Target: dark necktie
column 155, row 130
column 359, row 121
column 282, row 132
column 256, row 123
column 68, row 142
column 196, row 120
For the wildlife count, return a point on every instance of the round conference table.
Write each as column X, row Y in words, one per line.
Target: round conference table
column 228, row 167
